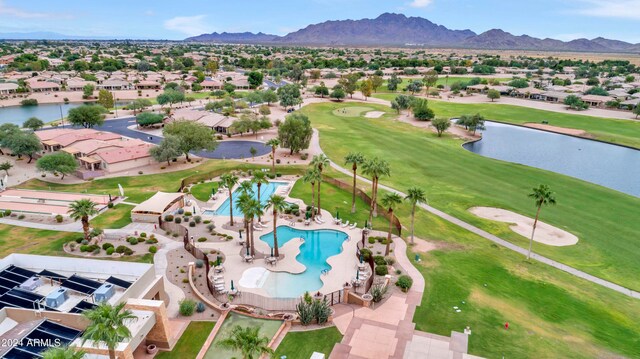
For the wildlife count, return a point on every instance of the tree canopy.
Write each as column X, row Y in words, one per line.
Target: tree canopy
column 193, row 136
column 57, row 162
column 148, row 118
column 23, row 144
column 289, row 95
column 87, row 116
column 168, row 149
column 33, row 123
column 295, row 132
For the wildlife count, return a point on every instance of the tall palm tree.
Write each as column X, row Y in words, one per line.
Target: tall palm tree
column 108, row 326
column 243, row 205
column 274, row 143
column 247, row 341
column 320, row 162
column 542, row 196
column 390, row 201
column 81, row 210
column 376, row 168
column 229, row 180
column 278, row 205
column 246, row 187
column 312, row 176
column 259, row 178
column 63, row 352
column 355, row 159
column 253, row 209
column 415, row 196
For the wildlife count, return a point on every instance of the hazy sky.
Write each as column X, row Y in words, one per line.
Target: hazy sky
column 171, row 19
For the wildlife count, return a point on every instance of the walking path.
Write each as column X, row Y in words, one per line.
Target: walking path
column 315, row 146
column 67, row 227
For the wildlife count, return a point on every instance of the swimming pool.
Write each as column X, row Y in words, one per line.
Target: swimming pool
column 266, row 190
column 318, row 246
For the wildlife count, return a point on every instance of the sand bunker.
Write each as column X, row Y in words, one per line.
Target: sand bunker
column 374, row 114
column 545, row 233
column 566, row 131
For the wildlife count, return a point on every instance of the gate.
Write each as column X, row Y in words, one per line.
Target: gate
column 334, row 298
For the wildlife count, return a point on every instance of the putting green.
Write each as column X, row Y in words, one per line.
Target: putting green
column 351, row 111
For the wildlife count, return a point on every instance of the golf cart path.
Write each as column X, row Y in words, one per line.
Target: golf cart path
column 315, row 144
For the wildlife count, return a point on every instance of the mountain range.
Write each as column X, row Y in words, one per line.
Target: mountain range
column 399, row 30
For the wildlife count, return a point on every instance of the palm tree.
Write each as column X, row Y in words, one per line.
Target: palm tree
column 81, row 210
column 355, row 158
column 243, row 205
column 108, row 326
column 415, row 196
column 391, row 201
column 246, row 187
column 375, row 168
column 320, row 162
column 278, row 206
column 247, row 341
column 253, row 210
column 229, row 180
column 542, row 196
column 259, row 178
column 312, row 176
column 274, row 143
column 63, row 352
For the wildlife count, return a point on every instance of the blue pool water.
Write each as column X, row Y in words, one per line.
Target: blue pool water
column 318, row 246
column 266, row 190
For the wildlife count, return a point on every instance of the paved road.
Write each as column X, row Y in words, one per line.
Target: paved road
column 225, row 149
column 578, row 273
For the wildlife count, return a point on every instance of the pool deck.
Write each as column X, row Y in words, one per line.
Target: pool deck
column 343, row 265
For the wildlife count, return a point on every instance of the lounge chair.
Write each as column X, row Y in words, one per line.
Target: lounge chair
column 259, row 229
column 353, row 226
column 307, row 222
column 345, row 224
column 317, row 220
column 218, row 277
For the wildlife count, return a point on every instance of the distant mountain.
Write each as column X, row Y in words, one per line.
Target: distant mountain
column 234, row 38
column 399, row 30
column 45, row 35
column 386, row 29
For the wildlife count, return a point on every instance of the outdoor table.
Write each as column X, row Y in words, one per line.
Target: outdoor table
column 271, row 260
column 248, row 259
column 218, row 269
column 233, row 291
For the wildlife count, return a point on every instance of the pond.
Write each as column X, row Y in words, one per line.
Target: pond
column 47, row 112
column 609, row 165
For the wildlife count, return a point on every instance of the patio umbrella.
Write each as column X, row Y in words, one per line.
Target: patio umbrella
column 247, row 250
column 272, row 251
column 361, row 258
column 366, row 223
column 194, row 209
column 337, row 214
column 358, row 274
column 232, row 284
column 218, row 259
column 240, row 231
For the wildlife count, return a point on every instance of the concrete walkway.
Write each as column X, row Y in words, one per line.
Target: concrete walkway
column 160, row 264
column 67, row 227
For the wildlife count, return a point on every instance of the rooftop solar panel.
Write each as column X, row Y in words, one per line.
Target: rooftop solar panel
column 81, row 307
column 119, row 282
column 18, row 353
column 24, row 294
column 77, row 287
column 34, row 343
column 85, row 281
column 13, row 277
column 19, row 270
column 52, row 275
column 7, row 283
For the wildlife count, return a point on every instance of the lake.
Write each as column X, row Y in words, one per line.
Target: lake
column 612, row 166
column 46, row 112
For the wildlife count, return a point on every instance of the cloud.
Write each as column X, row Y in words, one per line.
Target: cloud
column 624, row 9
column 420, row 3
column 9, row 11
column 188, row 25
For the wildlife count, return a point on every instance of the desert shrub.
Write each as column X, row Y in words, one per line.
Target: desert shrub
column 304, row 156
column 59, row 218
column 168, row 218
column 153, row 249
column 121, row 249
column 379, row 260
column 7, row 213
column 84, row 241
column 188, row 214
column 211, row 227
column 304, row 310
column 84, row 248
column 372, row 240
column 206, row 221
column 143, row 235
column 321, row 311
column 151, row 241
column 390, row 260
column 132, row 240
column 200, row 307
column 192, row 224
column 178, row 220
column 96, row 251
column 197, row 219
column 110, row 205
column 187, row 307
column 366, row 253
column 404, row 282
column 382, row 270
column 378, row 291
column 199, row 263
column 110, row 250
column 202, row 239
column 180, row 210
column 107, row 246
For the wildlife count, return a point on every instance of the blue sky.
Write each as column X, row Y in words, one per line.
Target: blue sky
column 164, row 19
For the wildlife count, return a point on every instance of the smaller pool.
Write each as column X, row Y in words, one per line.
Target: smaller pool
column 268, row 328
column 266, row 190
column 319, row 245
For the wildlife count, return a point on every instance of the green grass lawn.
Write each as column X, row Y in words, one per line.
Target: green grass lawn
column 456, row 180
column 333, row 199
column 113, row 218
column 624, row 132
column 300, row 345
column 202, row 191
column 190, row 342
